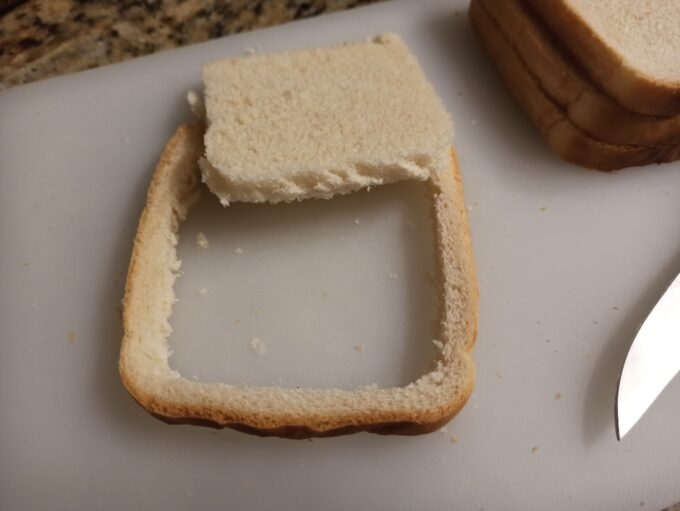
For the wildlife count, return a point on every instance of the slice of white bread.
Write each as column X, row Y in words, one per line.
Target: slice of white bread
column 568, row 86
column 567, row 140
column 419, row 407
column 357, row 115
column 629, row 47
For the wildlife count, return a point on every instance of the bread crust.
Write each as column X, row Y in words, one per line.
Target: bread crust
column 628, row 86
column 171, row 190
column 567, row 140
column 562, row 79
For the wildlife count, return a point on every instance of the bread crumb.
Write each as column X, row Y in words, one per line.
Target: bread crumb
column 357, row 221
column 196, row 104
column 195, row 377
column 534, row 449
column 469, row 208
column 202, row 291
column 393, row 276
column 201, row 240
column 238, row 250
column 258, row 346
column 72, row 338
column 558, row 396
column 27, row 264
column 359, row 348
column 237, row 321
column 454, row 439
column 543, row 208
column 438, row 344
column 251, row 50
column 615, row 308
column 443, row 430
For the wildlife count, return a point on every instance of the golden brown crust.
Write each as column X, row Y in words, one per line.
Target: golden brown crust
column 568, row 141
column 175, row 190
column 633, row 91
column 567, row 85
column 303, row 431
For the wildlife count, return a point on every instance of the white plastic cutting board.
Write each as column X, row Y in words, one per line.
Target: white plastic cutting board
column 569, row 263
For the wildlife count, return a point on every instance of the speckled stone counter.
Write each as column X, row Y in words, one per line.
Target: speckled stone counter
column 44, row 38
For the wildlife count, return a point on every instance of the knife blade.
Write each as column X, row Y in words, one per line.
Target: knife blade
column 652, row 361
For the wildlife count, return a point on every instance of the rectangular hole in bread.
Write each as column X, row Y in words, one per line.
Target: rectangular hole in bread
column 336, row 294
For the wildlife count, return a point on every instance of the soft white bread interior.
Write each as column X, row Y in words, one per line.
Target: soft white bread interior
column 419, row 407
column 319, row 122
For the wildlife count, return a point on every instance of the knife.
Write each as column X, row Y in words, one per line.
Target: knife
column 652, row 361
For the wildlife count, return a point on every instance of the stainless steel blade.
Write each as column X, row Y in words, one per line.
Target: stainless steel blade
column 652, row 361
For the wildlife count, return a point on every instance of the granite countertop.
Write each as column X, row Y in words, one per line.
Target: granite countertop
column 44, row 38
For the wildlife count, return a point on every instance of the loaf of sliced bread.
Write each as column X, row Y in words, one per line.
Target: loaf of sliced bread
column 419, row 407
column 569, row 141
column 630, row 48
column 328, row 120
column 567, row 85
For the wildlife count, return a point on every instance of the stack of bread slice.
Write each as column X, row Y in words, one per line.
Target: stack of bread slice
column 599, row 79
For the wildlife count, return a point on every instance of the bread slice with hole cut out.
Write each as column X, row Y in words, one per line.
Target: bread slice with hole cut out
column 422, row 406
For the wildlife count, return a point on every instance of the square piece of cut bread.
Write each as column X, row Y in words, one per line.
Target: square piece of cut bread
column 320, row 122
